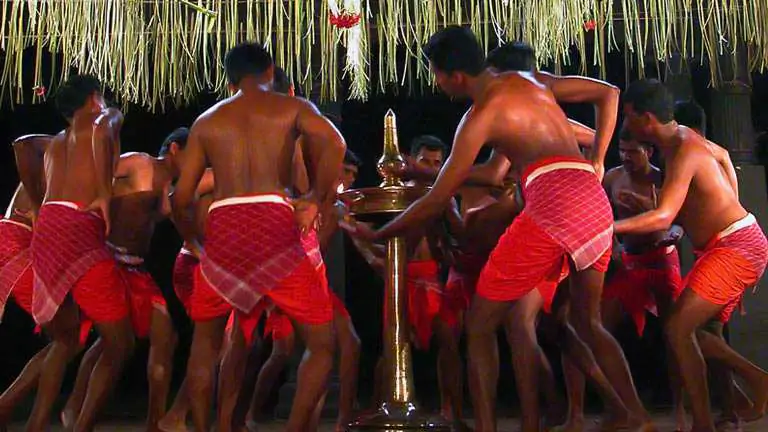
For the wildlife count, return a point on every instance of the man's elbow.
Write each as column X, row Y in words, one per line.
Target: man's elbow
column 664, row 219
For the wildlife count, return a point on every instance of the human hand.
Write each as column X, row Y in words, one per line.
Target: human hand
column 306, row 212
column 635, row 202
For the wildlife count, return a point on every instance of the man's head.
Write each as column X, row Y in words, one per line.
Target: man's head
column 248, row 61
column 349, row 170
column 174, row 145
column 647, row 105
column 455, row 57
column 281, row 83
column 79, row 92
column 514, row 56
column 689, row 113
column 635, row 155
column 429, row 151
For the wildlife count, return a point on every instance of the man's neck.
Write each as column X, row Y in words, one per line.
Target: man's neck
column 479, row 84
column 169, row 167
column 250, row 85
column 642, row 174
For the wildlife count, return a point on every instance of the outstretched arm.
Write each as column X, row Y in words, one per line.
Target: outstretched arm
column 470, row 137
column 604, row 97
column 183, row 197
column 29, row 151
column 673, row 192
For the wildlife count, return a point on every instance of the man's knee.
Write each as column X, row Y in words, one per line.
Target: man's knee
column 677, row 331
column 320, row 339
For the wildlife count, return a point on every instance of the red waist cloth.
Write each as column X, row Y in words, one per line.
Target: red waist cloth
column 251, row 245
column 642, row 280
column 312, row 247
column 564, row 197
column 731, row 262
column 15, row 239
column 66, row 244
column 184, row 276
column 425, row 296
column 144, row 297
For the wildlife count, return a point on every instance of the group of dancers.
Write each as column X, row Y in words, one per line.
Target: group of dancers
column 525, row 237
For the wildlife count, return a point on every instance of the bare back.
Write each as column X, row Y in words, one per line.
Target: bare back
column 249, row 140
column 710, row 204
column 525, row 123
column 139, row 200
column 70, row 169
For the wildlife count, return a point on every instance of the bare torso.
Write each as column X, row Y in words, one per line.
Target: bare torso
column 710, row 204
column 516, row 130
column 249, row 141
column 618, row 180
column 139, row 201
column 20, row 207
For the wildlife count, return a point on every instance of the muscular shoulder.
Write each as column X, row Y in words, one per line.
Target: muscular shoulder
column 134, row 163
column 612, row 175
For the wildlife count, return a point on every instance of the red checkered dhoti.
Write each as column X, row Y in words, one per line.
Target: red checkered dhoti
column 253, row 249
column 641, row 279
column 732, row 261
column 184, row 276
column 69, row 253
column 567, row 215
column 15, row 264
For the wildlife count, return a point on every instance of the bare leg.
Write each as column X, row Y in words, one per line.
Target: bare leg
column 586, row 298
column 22, row 386
column 715, row 347
column 281, row 353
column 689, row 313
column 349, row 361
column 665, row 305
column 64, row 331
column 450, row 372
column 483, row 318
column 77, row 397
column 175, row 420
column 231, row 375
column 206, row 344
column 312, row 374
column 162, row 340
column 118, row 341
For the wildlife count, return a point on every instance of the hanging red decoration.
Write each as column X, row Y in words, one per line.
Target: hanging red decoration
column 344, row 20
column 39, row 91
column 590, row 25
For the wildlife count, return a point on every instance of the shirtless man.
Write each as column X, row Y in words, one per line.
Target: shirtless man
column 253, row 234
column 15, row 269
column 732, row 248
column 567, row 216
column 70, row 254
column 139, row 200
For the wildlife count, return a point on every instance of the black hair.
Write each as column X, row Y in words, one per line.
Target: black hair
column 281, row 83
column 246, row 59
column 513, row 56
column 72, row 95
column 351, row 158
column 651, row 96
column 626, row 136
column 178, row 136
column 689, row 113
column 429, row 142
column 455, row 49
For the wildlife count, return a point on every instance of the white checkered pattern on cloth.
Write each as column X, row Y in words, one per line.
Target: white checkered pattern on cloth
column 312, row 246
column 571, row 206
column 66, row 243
column 15, row 239
column 745, row 237
column 249, row 249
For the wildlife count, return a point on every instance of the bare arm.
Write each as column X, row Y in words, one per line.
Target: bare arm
column 673, row 192
column 300, row 176
column 470, row 137
column 206, row 185
column 604, row 96
column 183, row 197
column 106, row 149
column 323, row 145
column 585, row 135
column 29, row 151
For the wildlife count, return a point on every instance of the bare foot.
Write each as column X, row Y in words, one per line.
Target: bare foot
column 728, row 425
column 250, row 426
column 681, row 420
column 172, row 423
column 68, row 419
column 760, row 403
column 572, row 425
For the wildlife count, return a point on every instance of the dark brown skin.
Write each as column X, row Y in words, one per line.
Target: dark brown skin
column 139, row 200
column 695, row 185
column 29, row 152
column 249, row 140
column 20, row 209
column 79, row 165
column 502, row 117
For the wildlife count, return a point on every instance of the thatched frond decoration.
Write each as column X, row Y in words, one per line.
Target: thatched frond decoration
column 160, row 53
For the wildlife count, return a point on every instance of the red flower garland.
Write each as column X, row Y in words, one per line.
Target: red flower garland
column 344, row 20
column 590, row 25
column 39, row 91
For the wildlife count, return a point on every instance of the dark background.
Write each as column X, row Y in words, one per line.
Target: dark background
column 421, row 112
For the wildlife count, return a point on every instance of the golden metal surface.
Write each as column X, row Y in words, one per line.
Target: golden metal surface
column 398, row 411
